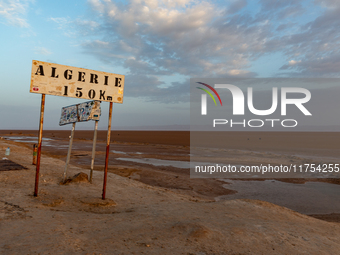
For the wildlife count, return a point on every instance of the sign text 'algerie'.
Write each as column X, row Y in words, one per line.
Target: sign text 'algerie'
column 67, row 81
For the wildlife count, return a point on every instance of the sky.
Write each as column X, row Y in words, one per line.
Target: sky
column 159, row 46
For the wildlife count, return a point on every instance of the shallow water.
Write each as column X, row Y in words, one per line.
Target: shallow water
column 118, row 152
column 308, row 198
column 26, row 139
column 158, row 162
column 30, row 139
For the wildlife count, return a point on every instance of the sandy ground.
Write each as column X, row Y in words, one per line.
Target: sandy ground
column 137, row 218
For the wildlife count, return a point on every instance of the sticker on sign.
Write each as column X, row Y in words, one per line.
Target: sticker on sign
column 60, row 80
column 80, row 112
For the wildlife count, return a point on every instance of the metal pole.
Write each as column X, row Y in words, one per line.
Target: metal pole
column 93, row 149
column 42, row 110
column 107, row 151
column 69, row 150
column 35, row 149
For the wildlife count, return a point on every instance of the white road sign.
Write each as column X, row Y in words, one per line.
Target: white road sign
column 67, row 81
column 80, row 112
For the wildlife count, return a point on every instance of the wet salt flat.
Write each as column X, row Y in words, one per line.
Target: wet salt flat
column 118, row 152
column 26, row 139
column 49, row 142
column 123, row 152
column 308, row 198
column 29, row 139
column 158, row 162
column 163, row 162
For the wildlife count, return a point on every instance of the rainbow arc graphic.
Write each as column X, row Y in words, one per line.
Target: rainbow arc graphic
column 209, row 93
column 204, row 97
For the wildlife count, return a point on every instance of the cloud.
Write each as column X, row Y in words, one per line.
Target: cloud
column 169, row 38
column 60, row 21
column 155, row 39
column 150, row 88
column 316, row 47
column 14, row 12
column 241, row 73
column 42, row 51
column 321, row 67
column 182, row 37
column 280, row 9
column 67, row 25
column 293, row 62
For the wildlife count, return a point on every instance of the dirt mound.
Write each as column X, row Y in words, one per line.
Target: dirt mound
column 98, row 202
column 195, row 231
column 11, row 211
column 78, row 178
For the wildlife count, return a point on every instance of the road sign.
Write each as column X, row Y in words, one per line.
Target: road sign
column 80, row 112
column 60, row 80
column 67, row 81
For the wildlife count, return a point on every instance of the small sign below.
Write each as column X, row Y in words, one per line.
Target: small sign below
column 80, row 112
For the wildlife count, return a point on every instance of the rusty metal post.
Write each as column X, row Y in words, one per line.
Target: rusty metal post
column 93, row 149
column 107, row 151
column 42, row 110
column 35, row 148
column 69, row 150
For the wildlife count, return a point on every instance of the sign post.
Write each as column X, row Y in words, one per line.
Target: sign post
column 69, row 150
column 107, row 152
column 66, row 81
column 42, row 110
column 93, row 149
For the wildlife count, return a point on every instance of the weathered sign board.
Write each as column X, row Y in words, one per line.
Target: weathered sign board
column 60, row 80
column 67, row 81
column 80, row 112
